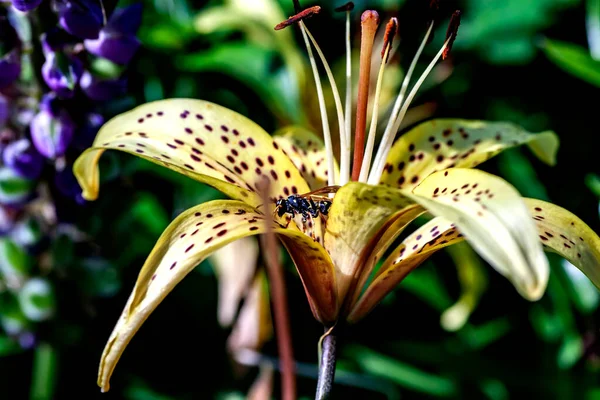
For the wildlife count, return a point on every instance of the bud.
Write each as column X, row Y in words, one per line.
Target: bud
column 62, row 73
column 100, row 89
column 81, row 18
column 22, row 157
column 117, row 41
column 67, row 185
column 12, row 319
column 15, row 264
column 4, row 110
column 27, row 233
column 14, row 189
column 10, row 68
column 26, row 5
column 7, row 219
column 52, row 128
column 85, row 134
column 36, row 299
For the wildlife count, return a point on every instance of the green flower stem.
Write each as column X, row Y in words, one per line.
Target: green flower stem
column 327, row 366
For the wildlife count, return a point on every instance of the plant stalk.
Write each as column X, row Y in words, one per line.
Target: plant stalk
column 327, row 366
column 280, row 309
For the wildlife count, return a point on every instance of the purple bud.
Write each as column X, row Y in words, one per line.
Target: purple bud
column 117, row 41
column 84, row 136
column 26, row 5
column 52, row 128
column 7, row 219
column 4, row 110
column 56, row 40
column 100, row 89
column 67, row 185
column 23, row 158
column 81, row 18
column 10, row 68
column 61, row 73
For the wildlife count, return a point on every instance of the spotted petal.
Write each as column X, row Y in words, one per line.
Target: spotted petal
column 412, row 252
column 307, row 152
column 188, row 240
column 559, row 231
column 564, row 233
column 446, row 143
column 496, row 222
column 202, row 140
column 357, row 214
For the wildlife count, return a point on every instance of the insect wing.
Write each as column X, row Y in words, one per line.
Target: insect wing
column 321, row 194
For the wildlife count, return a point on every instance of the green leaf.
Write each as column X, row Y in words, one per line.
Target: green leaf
column 15, row 263
column 403, row 374
column 574, row 59
column 44, row 372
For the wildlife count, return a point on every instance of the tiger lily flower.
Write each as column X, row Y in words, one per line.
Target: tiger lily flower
column 428, row 170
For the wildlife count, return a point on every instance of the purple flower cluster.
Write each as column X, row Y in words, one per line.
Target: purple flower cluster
column 52, row 89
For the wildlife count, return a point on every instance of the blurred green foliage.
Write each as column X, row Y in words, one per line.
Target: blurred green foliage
column 524, row 61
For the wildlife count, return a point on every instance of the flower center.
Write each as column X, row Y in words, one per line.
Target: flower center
column 362, row 168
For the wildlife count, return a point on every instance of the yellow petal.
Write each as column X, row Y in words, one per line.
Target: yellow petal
column 307, row 152
column 564, row 233
column 189, row 239
column 358, row 212
column 494, row 219
column 446, row 143
column 414, row 250
column 559, row 231
column 202, row 140
column 473, row 283
column 235, row 267
column 378, row 245
column 253, row 327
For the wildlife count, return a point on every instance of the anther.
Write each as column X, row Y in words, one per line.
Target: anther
column 309, row 12
column 390, row 31
column 451, row 32
column 349, row 6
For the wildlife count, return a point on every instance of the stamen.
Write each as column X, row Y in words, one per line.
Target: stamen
column 348, row 103
column 376, row 173
column 452, row 32
column 322, row 108
column 349, row 6
column 344, row 146
column 369, row 24
column 395, row 111
column 390, row 32
column 309, row 12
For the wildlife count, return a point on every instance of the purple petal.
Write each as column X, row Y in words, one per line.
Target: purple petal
column 102, row 89
column 82, row 18
column 51, row 130
column 10, row 68
column 113, row 46
column 62, row 73
column 126, row 20
column 26, row 5
column 23, row 158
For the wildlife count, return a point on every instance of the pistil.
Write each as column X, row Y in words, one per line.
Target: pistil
column 369, row 24
column 390, row 32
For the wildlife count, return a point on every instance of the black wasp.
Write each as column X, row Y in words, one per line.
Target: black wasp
column 308, row 204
